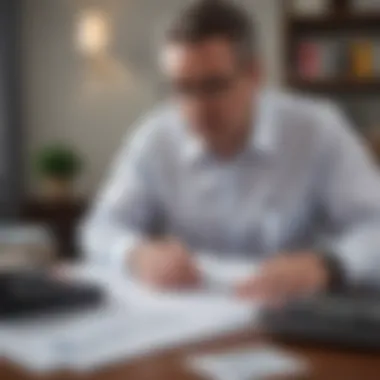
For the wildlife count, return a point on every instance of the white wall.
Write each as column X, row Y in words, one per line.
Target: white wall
column 58, row 103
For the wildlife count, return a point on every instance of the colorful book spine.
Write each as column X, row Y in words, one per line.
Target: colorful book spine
column 332, row 65
column 376, row 58
column 365, row 5
column 309, row 60
column 310, row 7
column 362, row 59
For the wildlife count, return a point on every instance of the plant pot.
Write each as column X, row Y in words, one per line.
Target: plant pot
column 57, row 189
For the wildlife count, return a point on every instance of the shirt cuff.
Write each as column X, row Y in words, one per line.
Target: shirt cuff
column 358, row 255
column 121, row 251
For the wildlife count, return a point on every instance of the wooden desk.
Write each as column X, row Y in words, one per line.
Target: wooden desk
column 326, row 364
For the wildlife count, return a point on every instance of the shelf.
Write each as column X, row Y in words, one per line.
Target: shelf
column 346, row 22
column 338, row 86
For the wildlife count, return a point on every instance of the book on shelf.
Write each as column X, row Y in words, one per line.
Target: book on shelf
column 365, row 6
column 362, row 59
column 334, row 59
column 310, row 7
column 326, row 59
column 376, row 58
column 318, row 60
column 309, row 60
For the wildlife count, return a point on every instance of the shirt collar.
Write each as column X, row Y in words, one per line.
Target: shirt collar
column 262, row 139
column 194, row 148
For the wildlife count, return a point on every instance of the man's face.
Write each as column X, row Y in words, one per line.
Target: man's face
column 212, row 86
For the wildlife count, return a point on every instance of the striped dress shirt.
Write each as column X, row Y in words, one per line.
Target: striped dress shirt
column 303, row 181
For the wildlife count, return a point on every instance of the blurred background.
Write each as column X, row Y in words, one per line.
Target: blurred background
column 75, row 75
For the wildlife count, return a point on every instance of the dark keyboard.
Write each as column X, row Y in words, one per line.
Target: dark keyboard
column 30, row 293
column 350, row 320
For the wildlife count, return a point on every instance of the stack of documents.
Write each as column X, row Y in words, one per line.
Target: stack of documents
column 134, row 321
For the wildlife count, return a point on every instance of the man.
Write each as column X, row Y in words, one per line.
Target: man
column 236, row 171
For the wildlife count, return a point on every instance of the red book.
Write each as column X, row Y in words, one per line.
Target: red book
column 309, row 60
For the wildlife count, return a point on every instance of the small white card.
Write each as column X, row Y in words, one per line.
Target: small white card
column 253, row 363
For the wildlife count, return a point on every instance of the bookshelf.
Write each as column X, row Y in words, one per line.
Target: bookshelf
column 335, row 21
column 335, row 53
column 365, row 86
column 339, row 23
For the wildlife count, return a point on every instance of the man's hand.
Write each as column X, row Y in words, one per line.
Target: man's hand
column 287, row 276
column 165, row 264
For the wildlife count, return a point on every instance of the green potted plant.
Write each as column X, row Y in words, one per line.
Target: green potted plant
column 57, row 166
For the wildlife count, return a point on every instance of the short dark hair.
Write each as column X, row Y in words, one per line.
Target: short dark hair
column 204, row 19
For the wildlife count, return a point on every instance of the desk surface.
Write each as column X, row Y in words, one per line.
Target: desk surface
column 326, row 364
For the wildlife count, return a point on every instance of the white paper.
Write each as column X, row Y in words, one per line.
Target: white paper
column 134, row 321
column 249, row 364
column 223, row 275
